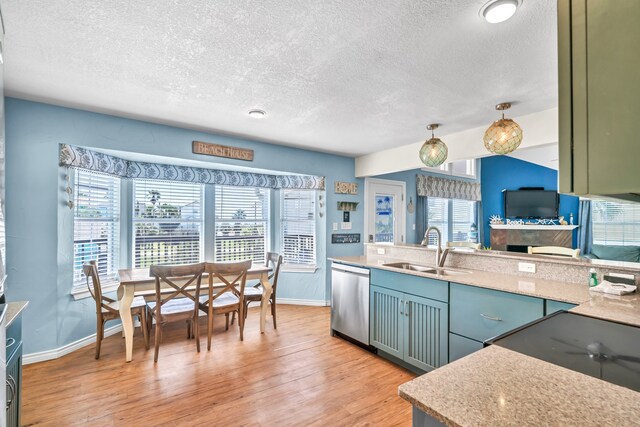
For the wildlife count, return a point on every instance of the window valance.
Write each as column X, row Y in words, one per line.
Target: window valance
column 446, row 188
column 82, row 158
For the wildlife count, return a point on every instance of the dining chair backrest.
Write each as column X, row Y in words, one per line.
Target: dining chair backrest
column 166, row 277
column 90, row 270
column 555, row 250
column 274, row 261
column 232, row 275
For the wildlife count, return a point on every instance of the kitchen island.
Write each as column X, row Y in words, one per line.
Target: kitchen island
column 498, row 386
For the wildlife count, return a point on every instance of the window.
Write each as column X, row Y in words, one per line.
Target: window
column 96, row 226
column 242, row 223
column 452, row 217
column 298, row 228
column 167, row 223
column 615, row 223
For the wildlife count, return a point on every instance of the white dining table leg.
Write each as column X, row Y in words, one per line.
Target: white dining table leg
column 264, row 304
column 126, row 299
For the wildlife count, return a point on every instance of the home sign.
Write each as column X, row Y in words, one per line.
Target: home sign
column 346, row 187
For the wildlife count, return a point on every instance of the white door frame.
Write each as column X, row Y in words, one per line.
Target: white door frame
column 402, row 213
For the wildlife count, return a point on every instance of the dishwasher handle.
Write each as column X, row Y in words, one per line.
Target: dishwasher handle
column 349, row 269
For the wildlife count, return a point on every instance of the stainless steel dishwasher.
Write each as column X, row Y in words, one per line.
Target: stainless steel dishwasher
column 350, row 302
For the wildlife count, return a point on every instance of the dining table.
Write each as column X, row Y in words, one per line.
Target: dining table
column 139, row 280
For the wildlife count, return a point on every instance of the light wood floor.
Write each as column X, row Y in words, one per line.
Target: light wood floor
column 297, row 375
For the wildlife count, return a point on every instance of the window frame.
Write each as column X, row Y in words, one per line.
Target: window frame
column 450, row 220
column 609, row 222
column 267, row 221
column 297, row 267
column 132, row 219
column 110, row 282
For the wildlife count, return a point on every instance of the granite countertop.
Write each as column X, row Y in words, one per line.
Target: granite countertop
column 14, row 309
column 499, row 387
column 559, row 291
column 623, row 309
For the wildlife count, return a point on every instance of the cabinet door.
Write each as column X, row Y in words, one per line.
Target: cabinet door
column 613, row 95
column 425, row 332
column 460, row 347
column 386, row 320
column 14, row 388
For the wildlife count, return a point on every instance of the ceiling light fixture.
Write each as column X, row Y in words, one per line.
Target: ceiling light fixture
column 496, row 11
column 433, row 152
column 257, row 113
column 504, row 135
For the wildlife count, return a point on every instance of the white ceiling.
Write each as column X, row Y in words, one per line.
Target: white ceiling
column 350, row 77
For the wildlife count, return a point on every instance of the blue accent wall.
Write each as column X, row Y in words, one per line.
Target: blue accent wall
column 503, row 172
column 40, row 226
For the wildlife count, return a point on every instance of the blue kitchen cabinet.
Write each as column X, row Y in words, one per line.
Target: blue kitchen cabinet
column 425, row 332
column 410, row 327
column 386, row 323
column 480, row 313
column 552, row 306
column 460, row 347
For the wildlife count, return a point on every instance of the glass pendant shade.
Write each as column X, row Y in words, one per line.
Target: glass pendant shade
column 433, row 152
column 503, row 136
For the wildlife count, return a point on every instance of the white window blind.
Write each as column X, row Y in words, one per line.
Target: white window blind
column 615, row 223
column 463, row 214
column 167, row 223
column 298, row 227
column 438, row 216
column 96, row 226
column 453, row 217
column 242, row 223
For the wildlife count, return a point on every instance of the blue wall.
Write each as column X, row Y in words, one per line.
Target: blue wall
column 40, row 226
column 503, row 172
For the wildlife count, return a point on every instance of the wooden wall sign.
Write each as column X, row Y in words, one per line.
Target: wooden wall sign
column 222, row 151
column 346, row 187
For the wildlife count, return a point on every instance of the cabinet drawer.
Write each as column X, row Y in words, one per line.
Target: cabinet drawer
column 460, row 347
column 553, row 306
column 480, row 314
column 14, row 336
column 410, row 284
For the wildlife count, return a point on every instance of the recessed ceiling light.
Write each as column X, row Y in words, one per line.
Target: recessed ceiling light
column 257, row 113
column 497, row 11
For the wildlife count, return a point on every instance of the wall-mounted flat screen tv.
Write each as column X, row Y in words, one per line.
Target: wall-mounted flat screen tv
column 530, row 204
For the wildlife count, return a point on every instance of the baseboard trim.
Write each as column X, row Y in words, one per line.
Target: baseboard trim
column 311, row 302
column 91, row 339
column 66, row 349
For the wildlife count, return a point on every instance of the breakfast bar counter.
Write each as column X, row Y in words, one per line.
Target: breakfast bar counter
column 499, row 387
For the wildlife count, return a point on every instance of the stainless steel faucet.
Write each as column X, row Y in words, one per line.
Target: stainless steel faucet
column 425, row 242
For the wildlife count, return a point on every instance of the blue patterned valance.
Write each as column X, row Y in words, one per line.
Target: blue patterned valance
column 446, row 188
column 82, row 158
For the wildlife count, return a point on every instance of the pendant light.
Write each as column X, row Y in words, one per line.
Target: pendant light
column 504, row 135
column 433, row 152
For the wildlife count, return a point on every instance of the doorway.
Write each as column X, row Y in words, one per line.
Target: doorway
column 384, row 210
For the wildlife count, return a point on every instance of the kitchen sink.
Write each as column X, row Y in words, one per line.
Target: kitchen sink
column 425, row 269
column 412, row 267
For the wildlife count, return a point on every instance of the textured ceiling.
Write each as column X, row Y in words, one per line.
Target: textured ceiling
column 349, row 76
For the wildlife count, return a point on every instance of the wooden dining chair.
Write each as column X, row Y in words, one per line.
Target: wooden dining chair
column 173, row 301
column 254, row 293
column 227, row 298
column 109, row 309
column 554, row 250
